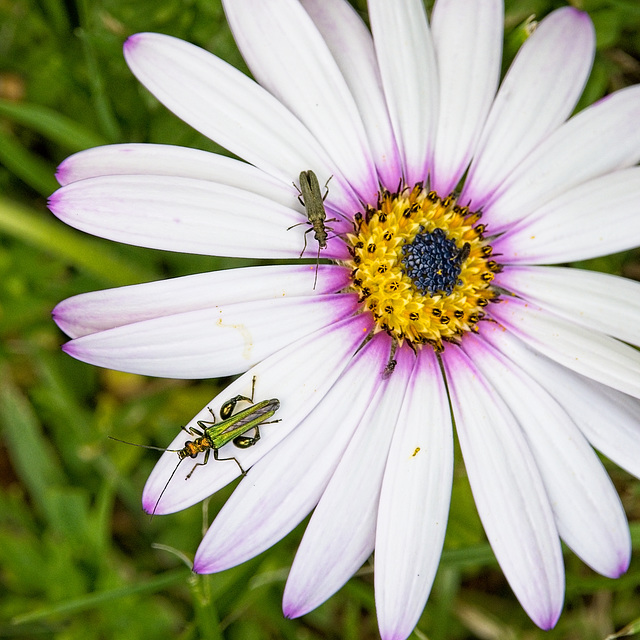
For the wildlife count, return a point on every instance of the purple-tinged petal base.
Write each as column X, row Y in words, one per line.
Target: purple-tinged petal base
column 587, row 352
column 536, row 96
column 414, row 502
column 341, row 533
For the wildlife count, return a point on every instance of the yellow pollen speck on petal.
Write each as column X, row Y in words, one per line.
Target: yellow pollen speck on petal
column 421, row 266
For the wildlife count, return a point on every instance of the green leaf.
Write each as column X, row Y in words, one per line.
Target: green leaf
column 30, row 168
column 93, row 600
column 33, row 457
column 52, row 125
column 78, row 249
column 631, row 629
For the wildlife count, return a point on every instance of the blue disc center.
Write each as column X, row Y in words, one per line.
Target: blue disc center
column 434, row 262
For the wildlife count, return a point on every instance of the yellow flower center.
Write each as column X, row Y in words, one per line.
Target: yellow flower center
column 421, row 266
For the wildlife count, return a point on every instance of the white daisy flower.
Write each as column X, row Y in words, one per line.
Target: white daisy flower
column 450, row 195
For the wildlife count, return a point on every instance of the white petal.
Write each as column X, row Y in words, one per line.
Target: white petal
column 587, row 509
column 183, row 214
column 618, row 437
column 166, row 160
column 538, row 93
column 587, row 352
column 210, row 343
column 299, row 375
column 410, row 79
column 351, row 45
column 414, row 503
column 600, row 139
column 99, row 310
column 508, row 491
column 609, row 419
column 593, row 219
column 228, row 107
column 169, row 160
column 468, row 39
column 283, row 487
column 341, row 533
column 599, row 301
column 287, row 55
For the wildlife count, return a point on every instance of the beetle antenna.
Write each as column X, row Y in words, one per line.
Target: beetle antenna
column 155, row 506
column 144, row 446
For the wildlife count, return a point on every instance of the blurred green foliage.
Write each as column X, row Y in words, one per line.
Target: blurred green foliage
column 77, row 555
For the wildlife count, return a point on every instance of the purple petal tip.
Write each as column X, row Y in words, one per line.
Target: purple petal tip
column 130, row 42
column 61, row 173
column 70, row 348
column 288, row 613
column 54, row 201
column 200, row 565
column 549, row 622
column 56, row 317
column 583, row 15
column 148, row 506
column 622, row 567
column 59, row 311
column 291, row 610
column 65, row 321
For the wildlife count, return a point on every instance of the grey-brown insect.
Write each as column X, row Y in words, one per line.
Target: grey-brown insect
column 313, row 201
column 392, row 362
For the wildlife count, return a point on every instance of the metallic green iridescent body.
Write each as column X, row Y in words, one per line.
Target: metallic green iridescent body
column 213, row 435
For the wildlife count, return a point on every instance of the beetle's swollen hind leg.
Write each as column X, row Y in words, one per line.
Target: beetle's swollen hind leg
column 201, row 464
column 226, row 410
column 244, row 442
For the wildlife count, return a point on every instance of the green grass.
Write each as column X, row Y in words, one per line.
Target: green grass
column 78, row 557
